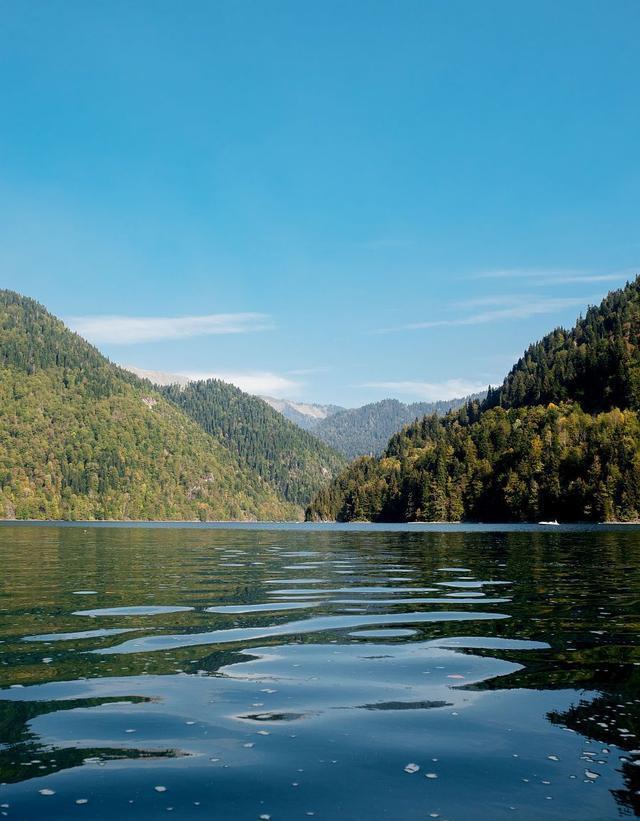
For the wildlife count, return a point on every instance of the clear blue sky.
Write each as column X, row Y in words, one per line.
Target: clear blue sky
column 380, row 198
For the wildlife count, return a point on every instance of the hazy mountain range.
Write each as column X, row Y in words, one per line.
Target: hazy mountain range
column 351, row 431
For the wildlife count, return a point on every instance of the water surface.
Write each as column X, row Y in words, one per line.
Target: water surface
column 336, row 673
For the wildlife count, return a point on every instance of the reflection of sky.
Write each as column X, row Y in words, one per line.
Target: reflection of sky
column 261, row 699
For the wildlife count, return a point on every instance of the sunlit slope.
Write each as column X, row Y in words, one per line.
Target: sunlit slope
column 560, row 439
column 289, row 458
column 80, row 438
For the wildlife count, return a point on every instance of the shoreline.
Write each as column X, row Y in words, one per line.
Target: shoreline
column 300, row 523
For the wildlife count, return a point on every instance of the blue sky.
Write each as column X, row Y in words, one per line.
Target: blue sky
column 332, row 201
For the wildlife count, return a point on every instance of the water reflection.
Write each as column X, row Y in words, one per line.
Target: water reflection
column 501, row 666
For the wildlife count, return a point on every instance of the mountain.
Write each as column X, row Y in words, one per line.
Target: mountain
column 596, row 364
column 304, row 414
column 560, row 439
column 160, row 378
column 81, row 438
column 352, row 432
column 366, row 430
column 292, row 460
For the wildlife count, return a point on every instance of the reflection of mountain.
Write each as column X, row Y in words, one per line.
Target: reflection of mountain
column 613, row 720
column 24, row 756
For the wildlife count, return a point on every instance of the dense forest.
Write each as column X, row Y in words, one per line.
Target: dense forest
column 365, row 431
column 82, row 439
column 559, row 439
column 292, row 460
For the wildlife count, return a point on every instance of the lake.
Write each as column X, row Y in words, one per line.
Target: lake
column 362, row 672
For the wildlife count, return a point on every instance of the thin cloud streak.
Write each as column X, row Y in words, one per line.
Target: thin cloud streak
column 553, row 277
column 131, row 330
column 430, row 391
column 257, row 382
column 513, row 308
column 265, row 383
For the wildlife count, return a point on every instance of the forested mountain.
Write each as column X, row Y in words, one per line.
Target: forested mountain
column 352, row 432
column 292, row 460
column 527, row 452
column 366, row 430
column 596, row 364
column 81, row 438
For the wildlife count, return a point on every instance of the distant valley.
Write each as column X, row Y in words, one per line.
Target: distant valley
column 350, row 431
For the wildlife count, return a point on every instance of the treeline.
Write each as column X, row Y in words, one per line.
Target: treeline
column 518, row 465
column 560, row 439
column 292, row 460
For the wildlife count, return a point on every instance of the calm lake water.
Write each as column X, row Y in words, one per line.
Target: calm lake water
column 288, row 673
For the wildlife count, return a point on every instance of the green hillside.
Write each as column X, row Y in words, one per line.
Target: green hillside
column 82, row 439
column 596, row 363
column 292, row 460
column 365, row 431
column 560, row 439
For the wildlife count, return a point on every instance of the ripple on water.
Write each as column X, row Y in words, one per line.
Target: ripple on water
column 388, row 633
column 261, row 608
column 81, row 634
column 313, row 625
column 318, row 711
column 141, row 610
column 471, row 585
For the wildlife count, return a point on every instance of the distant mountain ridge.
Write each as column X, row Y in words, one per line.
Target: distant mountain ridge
column 365, row 431
column 352, row 432
column 160, row 378
column 306, row 415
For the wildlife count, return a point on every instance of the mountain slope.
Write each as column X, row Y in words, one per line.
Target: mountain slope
column 596, row 363
column 304, row 414
column 292, row 460
column 80, row 438
column 525, row 453
column 366, row 430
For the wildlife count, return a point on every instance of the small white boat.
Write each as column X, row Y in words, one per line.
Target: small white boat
column 554, row 523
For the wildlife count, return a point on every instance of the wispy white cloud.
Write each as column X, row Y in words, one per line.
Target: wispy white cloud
column 430, row 391
column 553, row 276
column 498, row 308
column 256, row 382
column 129, row 330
